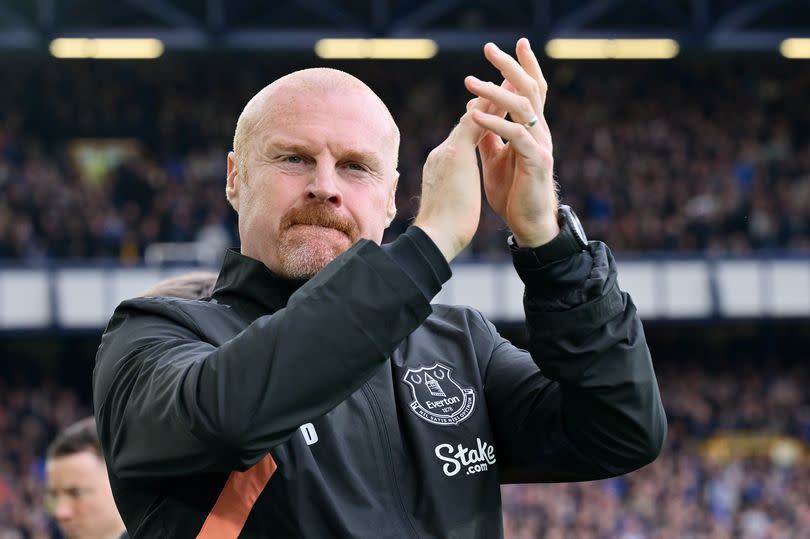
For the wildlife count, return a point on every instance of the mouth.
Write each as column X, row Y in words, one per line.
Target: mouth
column 317, row 222
column 320, row 229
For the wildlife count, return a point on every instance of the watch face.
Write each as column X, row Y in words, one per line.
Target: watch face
column 576, row 226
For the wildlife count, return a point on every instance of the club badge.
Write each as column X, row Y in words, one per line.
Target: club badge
column 438, row 398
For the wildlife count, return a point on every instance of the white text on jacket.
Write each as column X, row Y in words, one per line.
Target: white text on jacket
column 471, row 460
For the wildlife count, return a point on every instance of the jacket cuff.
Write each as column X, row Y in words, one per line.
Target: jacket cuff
column 421, row 260
column 554, row 281
column 566, row 284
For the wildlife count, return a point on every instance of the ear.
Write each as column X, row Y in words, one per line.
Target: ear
column 392, row 201
column 232, row 184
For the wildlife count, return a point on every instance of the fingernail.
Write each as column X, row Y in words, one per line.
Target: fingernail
column 474, row 80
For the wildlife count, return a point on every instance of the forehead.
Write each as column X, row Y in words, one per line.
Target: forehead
column 78, row 468
column 350, row 120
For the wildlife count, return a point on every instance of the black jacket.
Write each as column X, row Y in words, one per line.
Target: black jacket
column 348, row 406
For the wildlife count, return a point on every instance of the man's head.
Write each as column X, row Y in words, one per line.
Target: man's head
column 78, row 489
column 313, row 170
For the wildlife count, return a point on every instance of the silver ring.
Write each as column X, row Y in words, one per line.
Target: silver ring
column 532, row 122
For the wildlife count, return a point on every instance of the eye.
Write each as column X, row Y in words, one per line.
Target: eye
column 294, row 159
column 358, row 167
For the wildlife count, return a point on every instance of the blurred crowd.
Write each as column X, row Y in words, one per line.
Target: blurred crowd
column 699, row 155
column 685, row 494
column 30, row 418
column 681, row 495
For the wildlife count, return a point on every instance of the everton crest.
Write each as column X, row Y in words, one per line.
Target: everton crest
column 438, row 398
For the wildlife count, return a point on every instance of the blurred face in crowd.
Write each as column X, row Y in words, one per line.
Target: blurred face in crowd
column 313, row 170
column 80, row 499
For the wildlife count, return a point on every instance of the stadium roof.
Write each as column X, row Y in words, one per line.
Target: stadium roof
column 457, row 25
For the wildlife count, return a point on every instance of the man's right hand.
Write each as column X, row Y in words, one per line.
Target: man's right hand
column 451, row 190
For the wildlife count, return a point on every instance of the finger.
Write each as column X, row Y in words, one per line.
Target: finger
column 501, row 113
column 489, row 145
column 514, row 73
column 541, row 126
column 528, row 60
column 518, row 136
column 494, row 109
column 519, row 106
column 488, row 107
column 467, row 128
column 483, row 104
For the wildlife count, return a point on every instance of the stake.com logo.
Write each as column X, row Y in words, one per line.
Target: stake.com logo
column 471, row 460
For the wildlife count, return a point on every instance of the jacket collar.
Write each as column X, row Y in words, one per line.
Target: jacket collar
column 247, row 285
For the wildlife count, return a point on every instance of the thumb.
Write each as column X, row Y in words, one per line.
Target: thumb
column 467, row 130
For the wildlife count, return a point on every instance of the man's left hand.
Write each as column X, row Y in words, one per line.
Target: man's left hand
column 518, row 174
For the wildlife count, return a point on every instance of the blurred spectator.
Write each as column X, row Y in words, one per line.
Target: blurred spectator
column 78, row 489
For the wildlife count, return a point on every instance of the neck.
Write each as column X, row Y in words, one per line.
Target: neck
column 116, row 533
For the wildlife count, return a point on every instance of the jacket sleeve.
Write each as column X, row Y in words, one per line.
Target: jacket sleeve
column 583, row 403
column 169, row 403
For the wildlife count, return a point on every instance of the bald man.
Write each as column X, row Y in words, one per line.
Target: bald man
column 319, row 393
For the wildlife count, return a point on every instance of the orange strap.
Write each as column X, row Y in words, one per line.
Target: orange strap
column 238, row 496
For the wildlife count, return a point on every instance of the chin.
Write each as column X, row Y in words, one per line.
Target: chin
column 302, row 262
column 303, row 251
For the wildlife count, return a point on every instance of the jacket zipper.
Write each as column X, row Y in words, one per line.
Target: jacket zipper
column 376, row 412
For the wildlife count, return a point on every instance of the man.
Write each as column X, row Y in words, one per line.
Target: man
column 319, row 394
column 78, row 491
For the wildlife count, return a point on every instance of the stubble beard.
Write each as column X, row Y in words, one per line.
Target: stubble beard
column 304, row 251
column 303, row 260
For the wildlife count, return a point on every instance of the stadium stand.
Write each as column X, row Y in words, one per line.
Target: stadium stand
column 655, row 157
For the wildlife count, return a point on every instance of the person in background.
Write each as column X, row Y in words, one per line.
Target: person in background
column 78, row 489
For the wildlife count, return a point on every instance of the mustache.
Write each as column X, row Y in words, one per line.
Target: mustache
column 320, row 215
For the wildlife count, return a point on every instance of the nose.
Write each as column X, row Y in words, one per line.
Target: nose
column 324, row 187
column 63, row 510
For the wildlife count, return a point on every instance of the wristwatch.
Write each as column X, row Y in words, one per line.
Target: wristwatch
column 569, row 241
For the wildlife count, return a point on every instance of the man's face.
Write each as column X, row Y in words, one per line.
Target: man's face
column 79, row 497
column 319, row 175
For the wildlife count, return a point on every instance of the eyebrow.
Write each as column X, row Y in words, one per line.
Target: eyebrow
column 52, row 491
column 284, row 146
